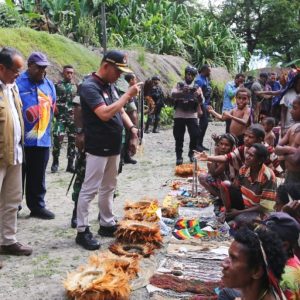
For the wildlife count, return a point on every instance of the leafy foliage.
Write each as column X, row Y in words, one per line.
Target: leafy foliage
column 166, row 115
column 272, row 26
column 9, row 17
column 162, row 27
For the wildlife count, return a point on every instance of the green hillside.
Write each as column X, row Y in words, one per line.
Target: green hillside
column 60, row 50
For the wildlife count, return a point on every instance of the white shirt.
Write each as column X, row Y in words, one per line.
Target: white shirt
column 18, row 151
column 287, row 101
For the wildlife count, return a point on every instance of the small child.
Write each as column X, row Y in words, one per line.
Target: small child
column 239, row 116
column 218, row 171
column 268, row 124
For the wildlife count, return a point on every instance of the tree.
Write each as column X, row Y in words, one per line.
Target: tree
column 272, row 26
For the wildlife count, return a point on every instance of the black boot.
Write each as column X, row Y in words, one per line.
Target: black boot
column 86, row 240
column 54, row 166
column 155, row 127
column 74, row 216
column 179, row 161
column 70, row 167
column 147, row 125
column 129, row 160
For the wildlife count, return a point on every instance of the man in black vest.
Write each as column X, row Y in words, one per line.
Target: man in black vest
column 103, row 120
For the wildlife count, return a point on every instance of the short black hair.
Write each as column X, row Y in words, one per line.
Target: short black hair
column 292, row 189
column 258, row 131
column 129, row 76
column 270, row 121
column 272, row 246
column 239, row 75
column 264, row 75
column 204, row 68
column 6, row 56
column 68, row 67
column 297, row 99
column 261, row 152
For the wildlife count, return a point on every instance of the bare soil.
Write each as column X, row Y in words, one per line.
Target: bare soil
column 40, row 276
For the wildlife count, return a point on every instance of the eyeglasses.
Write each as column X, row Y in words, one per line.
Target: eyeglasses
column 14, row 70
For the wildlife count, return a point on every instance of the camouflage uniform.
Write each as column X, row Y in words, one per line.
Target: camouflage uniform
column 65, row 92
column 80, row 173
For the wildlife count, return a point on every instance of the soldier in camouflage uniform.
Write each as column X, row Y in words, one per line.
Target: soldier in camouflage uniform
column 65, row 91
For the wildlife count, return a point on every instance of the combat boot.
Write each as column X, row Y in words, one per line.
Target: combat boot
column 54, row 166
column 155, row 127
column 74, row 216
column 147, row 125
column 70, row 167
column 179, row 161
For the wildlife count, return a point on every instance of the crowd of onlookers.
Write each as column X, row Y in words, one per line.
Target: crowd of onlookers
column 253, row 176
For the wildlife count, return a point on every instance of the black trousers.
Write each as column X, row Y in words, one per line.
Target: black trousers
column 179, row 131
column 203, row 124
column 34, row 169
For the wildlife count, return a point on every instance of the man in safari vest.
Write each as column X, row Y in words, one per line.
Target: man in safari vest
column 11, row 152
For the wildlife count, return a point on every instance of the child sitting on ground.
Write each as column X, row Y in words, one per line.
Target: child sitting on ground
column 218, row 171
column 268, row 124
column 239, row 116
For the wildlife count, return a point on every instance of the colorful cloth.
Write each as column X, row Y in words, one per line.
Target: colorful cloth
column 290, row 281
column 187, row 229
column 38, row 106
column 260, row 192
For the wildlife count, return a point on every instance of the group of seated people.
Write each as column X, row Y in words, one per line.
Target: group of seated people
column 256, row 189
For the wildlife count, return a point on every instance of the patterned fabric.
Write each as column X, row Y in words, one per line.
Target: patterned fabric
column 236, row 159
column 290, row 281
column 38, row 105
column 260, row 192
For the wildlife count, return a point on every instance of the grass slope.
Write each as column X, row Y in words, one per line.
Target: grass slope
column 60, row 50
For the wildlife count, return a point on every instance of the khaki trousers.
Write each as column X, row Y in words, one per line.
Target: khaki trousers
column 10, row 199
column 100, row 177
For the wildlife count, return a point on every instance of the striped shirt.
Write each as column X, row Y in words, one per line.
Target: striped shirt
column 262, row 191
column 236, row 159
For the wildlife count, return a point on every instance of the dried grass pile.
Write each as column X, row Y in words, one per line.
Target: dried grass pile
column 106, row 277
column 138, row 232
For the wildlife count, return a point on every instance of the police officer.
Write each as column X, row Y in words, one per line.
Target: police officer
column 66, row 90
column 156, row 93
column 187, row 98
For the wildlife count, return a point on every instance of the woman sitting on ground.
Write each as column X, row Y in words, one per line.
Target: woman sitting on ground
column 253, row 194
column 255, row 265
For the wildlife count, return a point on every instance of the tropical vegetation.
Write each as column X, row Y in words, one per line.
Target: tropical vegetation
column 162, row 27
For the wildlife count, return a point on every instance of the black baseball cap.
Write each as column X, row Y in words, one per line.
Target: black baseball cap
column 119, row 59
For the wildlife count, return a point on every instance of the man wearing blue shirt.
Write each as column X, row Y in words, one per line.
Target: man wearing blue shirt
column 202, row 80
column 229, row 95
column 38, row 97
column 275, row 86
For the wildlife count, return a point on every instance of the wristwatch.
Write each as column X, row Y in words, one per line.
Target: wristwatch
column 79, row 130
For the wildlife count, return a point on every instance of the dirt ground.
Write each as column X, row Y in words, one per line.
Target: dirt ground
column 55, row 253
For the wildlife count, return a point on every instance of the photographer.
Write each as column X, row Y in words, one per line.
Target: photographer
column 187, row 99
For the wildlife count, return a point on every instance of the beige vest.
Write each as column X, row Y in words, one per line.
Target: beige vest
column 7, row 127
